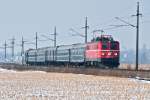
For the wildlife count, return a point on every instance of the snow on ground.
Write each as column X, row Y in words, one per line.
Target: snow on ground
column 39, row 85
column 138, row 80
column 13, row 71
column 6, row 71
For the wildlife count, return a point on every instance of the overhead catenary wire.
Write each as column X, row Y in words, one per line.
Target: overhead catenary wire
column 48, row 38
column 102, row 30
column 109, row 21
column 76, row 33
column 86, row 27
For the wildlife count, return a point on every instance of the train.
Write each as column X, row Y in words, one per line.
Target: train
column 102, row 50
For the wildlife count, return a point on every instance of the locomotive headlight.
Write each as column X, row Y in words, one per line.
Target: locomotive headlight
column 103, row 54
column 109, row 53
column 115, row 54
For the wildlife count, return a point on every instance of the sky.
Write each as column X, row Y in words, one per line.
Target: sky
column 26, row 17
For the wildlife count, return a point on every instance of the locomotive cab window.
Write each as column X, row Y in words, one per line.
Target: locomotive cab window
column 104, row 46
column 113, row 46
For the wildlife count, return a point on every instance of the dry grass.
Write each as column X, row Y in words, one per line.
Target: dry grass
column 89, row 71
column 132, row 66
column 37, row 85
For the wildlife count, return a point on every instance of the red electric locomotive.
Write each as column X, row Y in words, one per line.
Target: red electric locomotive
column 103, row 50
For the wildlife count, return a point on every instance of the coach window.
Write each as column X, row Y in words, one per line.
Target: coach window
column 75, row 51
column 72, row 51
column 78, row 52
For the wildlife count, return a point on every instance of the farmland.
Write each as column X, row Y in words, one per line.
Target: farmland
column 37, row 85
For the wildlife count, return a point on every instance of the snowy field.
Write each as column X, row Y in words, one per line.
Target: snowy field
column 38, row 85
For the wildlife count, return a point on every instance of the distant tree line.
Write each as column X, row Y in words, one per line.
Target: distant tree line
column 128, row 56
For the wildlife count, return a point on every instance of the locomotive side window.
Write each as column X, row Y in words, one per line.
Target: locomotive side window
column 87, row 47
column 92, row 47
column 95, row 47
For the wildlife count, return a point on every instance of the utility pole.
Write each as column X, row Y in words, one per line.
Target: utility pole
column 86, row 28
column 5, row 50
column 55, row 33
column 13, row 44
column 22, row 46
column 36, row 40
column 137, row 34
column 22, row 49
column 137, row 37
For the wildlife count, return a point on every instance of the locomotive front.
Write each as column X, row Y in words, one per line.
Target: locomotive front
column 103, row 50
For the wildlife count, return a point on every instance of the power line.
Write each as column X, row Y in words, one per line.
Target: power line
column 30, row 43
column 43, row 40
column 46, row 38
column 109, row 28
column 111, row 21
column 54, row 39
column 77, row 33
column 125, row 22
column 143, row 22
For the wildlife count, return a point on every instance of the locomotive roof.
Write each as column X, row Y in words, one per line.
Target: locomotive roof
column 102, row 39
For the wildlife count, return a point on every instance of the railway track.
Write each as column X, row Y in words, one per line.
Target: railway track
column 140, row 74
